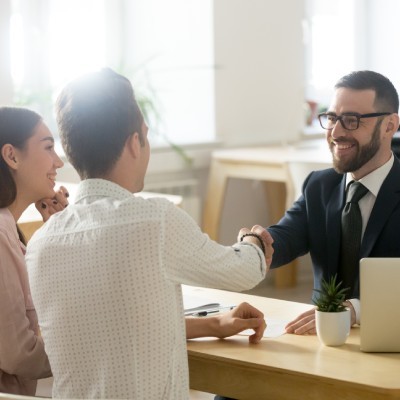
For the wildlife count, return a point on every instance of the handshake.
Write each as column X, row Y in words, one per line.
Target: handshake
column 261, row 238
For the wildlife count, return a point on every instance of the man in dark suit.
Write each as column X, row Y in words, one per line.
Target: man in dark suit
column 360, row 124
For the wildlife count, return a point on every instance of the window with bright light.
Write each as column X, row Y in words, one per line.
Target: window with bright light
column 164, row 48
column 330, row 35
column 51, row 43
column 77, row 38
column 172, row 42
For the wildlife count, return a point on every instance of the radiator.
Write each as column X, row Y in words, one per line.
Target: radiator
column 188, row 189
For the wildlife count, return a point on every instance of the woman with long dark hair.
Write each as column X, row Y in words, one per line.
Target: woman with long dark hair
column 28, row 165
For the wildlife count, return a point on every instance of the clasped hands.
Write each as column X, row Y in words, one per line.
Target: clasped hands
column 49, row 206
column 264, row 235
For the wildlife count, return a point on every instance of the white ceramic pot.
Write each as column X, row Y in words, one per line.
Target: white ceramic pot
column 333, row 328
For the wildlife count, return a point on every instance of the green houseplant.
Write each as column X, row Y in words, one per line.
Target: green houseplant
column 332, row 318
column 331, row 296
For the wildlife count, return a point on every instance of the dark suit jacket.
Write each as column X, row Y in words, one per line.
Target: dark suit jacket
column 313, row 224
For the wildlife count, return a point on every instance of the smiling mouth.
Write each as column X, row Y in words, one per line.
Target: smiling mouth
column 52, row 177
column 342, row 146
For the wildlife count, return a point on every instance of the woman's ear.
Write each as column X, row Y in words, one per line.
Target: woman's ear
column 9, row 156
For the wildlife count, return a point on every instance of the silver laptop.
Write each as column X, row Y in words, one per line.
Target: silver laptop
column 380, row 304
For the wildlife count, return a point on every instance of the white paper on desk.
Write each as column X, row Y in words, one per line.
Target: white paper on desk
column 275, row 328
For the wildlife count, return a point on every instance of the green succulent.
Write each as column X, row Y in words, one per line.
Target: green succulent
column 331, row 296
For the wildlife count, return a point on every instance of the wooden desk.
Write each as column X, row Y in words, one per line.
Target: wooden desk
column 31, row 220
column 290, row 366
column 268, row 164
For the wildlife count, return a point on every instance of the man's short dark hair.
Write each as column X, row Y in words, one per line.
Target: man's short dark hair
column 386, row 97
column 96, row 114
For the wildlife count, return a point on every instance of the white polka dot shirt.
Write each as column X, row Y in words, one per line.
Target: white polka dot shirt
column 105, row 277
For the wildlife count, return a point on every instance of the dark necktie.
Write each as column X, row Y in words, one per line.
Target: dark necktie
column 351, row 238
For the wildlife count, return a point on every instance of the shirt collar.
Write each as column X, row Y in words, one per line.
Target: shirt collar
column 96, row 188
column 373, row 181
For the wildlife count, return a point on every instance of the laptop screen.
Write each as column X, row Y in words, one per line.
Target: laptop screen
column 380, row 304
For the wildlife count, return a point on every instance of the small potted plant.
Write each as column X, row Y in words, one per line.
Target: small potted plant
column 332, row 318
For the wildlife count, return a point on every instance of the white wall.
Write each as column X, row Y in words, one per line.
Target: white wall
column 383, row 39
column 259, row 89
column 259, row 80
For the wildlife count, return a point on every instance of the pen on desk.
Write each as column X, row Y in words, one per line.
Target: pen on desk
column 217, row 310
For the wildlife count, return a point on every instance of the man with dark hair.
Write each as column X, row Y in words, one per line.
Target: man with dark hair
column 360, row 124
column 106, row 273
column 96, row 113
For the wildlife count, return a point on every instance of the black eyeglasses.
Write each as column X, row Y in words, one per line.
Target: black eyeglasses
column 351, row 122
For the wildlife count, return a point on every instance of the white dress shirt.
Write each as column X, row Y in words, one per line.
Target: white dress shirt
column 373, row 182
column 105, row 276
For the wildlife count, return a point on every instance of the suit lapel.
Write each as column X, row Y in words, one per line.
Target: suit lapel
column 333, row 224
column 388, row 198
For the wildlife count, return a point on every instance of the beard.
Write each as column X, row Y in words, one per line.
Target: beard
column 364, row 153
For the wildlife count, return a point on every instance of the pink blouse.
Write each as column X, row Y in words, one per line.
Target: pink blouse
column 22, row 355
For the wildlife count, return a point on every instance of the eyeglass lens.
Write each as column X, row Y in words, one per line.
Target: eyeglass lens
column 349, row 122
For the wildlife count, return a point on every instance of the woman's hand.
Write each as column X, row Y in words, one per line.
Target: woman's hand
column 48, row 207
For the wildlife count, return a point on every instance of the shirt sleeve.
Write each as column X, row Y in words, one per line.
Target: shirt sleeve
column 21, row 349
column 356, row 305
column 192, row 258
column 291, row 239
column 290, row 234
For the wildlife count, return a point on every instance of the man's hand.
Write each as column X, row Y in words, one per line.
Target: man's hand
column 304, row 324
column 242, row 317
column 268, row 241
column 48, row 207
column 349, row 305
column 265, row 237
